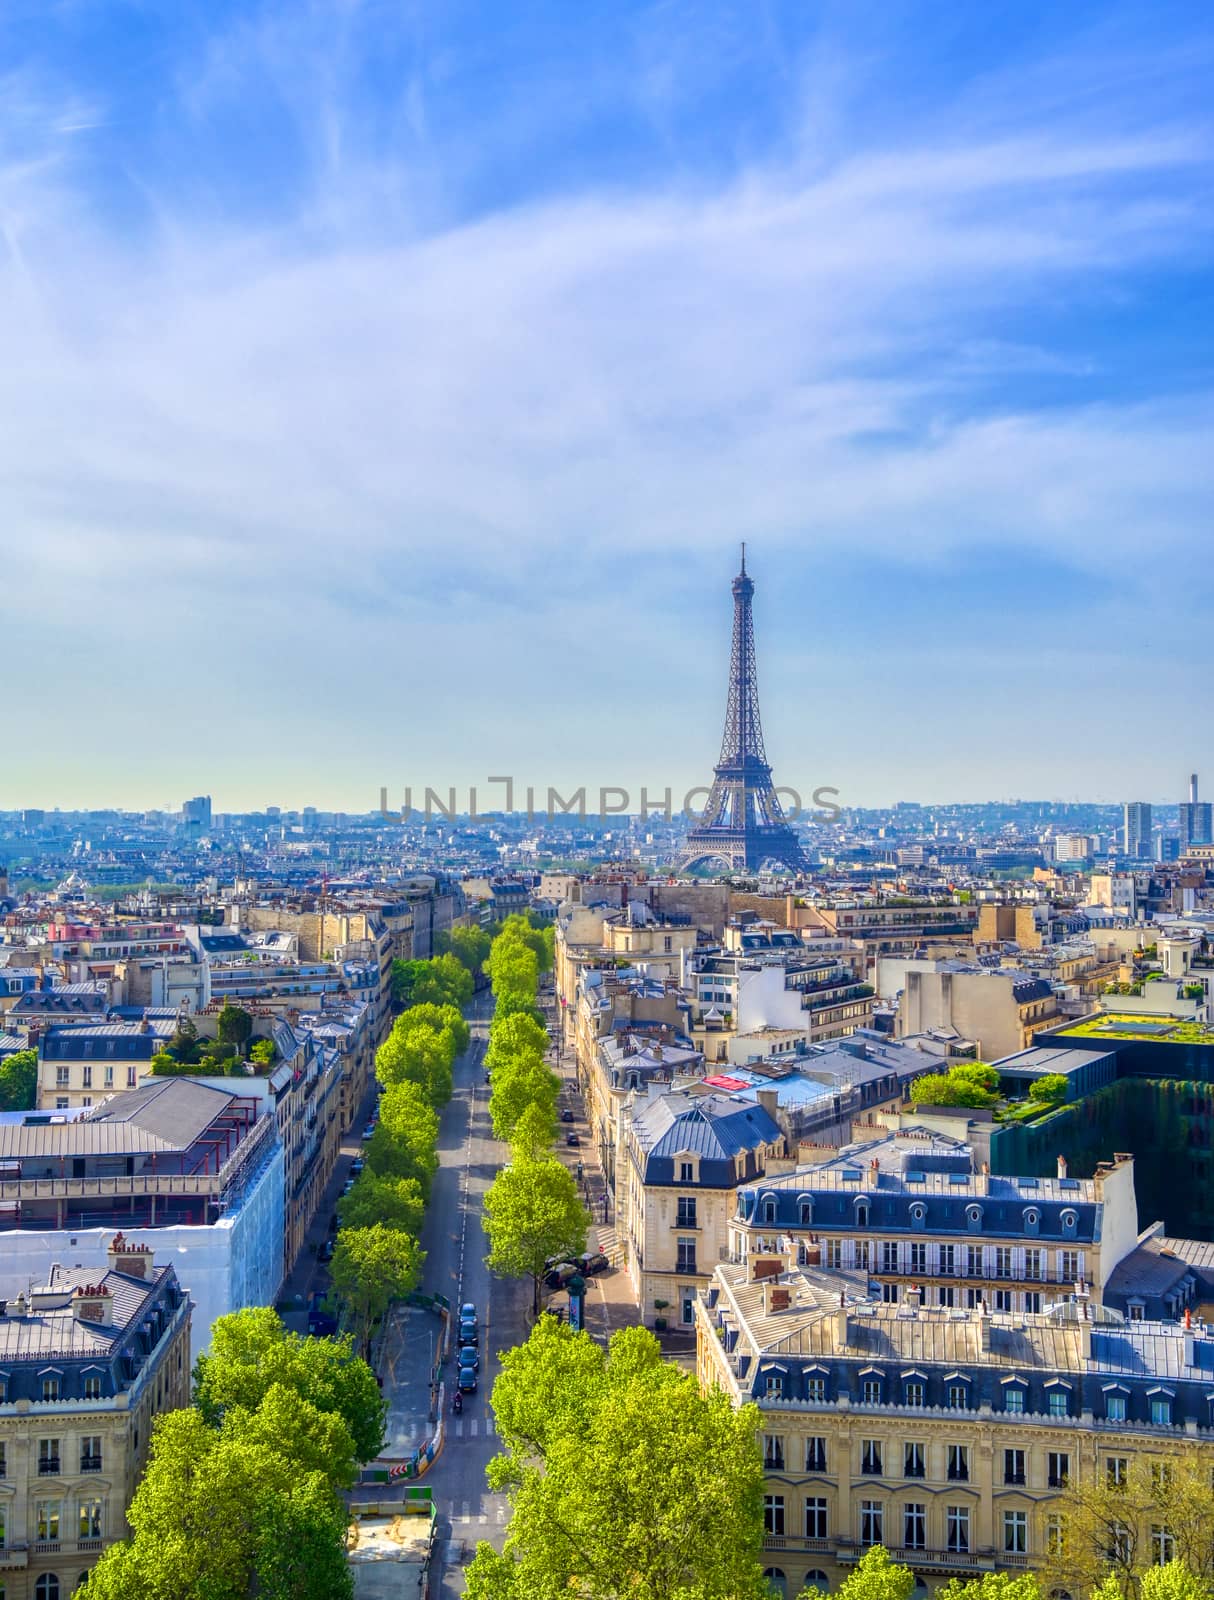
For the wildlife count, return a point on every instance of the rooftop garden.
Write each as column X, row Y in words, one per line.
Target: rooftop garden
column 1157, row 1030
column 235, row 1053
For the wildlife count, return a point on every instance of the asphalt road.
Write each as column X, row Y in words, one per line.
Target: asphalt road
column 455, row 1245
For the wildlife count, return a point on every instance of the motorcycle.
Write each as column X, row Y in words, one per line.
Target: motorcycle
column 457, row 1404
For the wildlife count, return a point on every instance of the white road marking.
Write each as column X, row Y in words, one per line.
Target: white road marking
column 472, row 1428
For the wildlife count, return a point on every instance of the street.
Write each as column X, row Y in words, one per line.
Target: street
column 455, row 1245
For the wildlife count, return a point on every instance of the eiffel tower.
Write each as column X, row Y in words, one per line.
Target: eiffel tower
column 743, row 825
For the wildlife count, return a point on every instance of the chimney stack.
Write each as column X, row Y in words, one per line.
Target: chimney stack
column 130, row 1258
column 93, row 1303
column 769, row 1100
column 914, row 1297
column 1062, row 1166
column 841, row 1322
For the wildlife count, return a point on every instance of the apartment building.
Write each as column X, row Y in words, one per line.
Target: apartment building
column 911, row 1211
column 89, row 1360
column 999, row 1008
column 686, row 1155
column 947, row 1435
column 79, row 1065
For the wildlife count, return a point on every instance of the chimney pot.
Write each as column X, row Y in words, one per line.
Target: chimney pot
column 1062, row 1166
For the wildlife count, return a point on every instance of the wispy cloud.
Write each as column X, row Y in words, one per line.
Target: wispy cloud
column 382, row 393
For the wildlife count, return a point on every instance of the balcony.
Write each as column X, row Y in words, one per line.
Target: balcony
column 90, row 1463
column 48, row 1467
column 780, row 1541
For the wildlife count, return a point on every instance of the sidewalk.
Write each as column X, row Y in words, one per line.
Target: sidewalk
column 610, row 1301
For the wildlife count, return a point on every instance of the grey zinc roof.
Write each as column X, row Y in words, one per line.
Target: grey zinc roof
column 160, row 1117
column 714, row 1125
column 50, row 1330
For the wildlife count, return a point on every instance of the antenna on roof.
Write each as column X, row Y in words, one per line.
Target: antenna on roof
column 743, row 557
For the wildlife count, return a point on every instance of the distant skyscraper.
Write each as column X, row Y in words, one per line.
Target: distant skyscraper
column 1136, row 831
column 1194, row 819
column 196, row 813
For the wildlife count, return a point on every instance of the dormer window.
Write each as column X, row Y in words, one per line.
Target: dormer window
column 973, row 1216
column 918, row 1214
column 1032, row 1219
column 1069, row 1222
column 769, row 1209
column 805, row 1212
column 861, row 1213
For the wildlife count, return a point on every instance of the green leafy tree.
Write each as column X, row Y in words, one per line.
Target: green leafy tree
column 444, row 1019
column 182, row 1044
column 405, row 1141
column 992, row 1586
column 19, row 1081
column 876, row 1577
column 371, row 1268
column 234, row 1025
column 1050, row 1087
column 517, row 1003
column 262, row 1052
column 640, row 1486
column 534, row 1132
column 1105, row 1523
column 532, row 1212
column 514, row 1037
column 952, row 1088
column 251, row 1352
column 232, row 1512
column 469, row 945
column 443, row 980
column 515, row 1088
column 418, row 1055
column 513, row 968
column 396, row 1202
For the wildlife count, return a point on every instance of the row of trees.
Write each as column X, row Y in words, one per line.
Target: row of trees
column 876, row 1576
column 532, row 1209
column 377, row 1258
column 242, row 1492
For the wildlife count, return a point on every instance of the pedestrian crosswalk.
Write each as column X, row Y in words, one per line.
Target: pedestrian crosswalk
column 473, row 1427
column 495, row 1509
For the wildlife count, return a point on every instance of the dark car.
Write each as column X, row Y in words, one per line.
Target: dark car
column 468, row 1332
column 561, row 1274
column 467, row 1380
column 596, row 1262
column 321, row 1323
column 325, row 1253
column 469, row 1356
column 572, row 1139
column 467, row 1312
column 357, row 1165
column 566, row 1115
column 368, row 1131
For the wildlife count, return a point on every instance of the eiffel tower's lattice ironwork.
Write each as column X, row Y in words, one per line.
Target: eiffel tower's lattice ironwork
column 743, row 825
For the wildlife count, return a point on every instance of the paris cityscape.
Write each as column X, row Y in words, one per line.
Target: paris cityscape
column 606, row 904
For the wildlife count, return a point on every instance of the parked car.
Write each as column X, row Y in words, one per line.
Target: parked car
column 347, row 1186
column 467, row 1312
column 561, row 1274
column 468, row 1332
column 467, row 1380
column 357, row 1165
column 596, row 1262
column 566, row 1115
column 572, row 1139
column 325, row 1253
column 469, row 1356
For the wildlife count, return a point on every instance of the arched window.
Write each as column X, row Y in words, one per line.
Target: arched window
column 777, row 1583
column 47, row 1587
column 805, row 1210
column 918, row 1214
column 1069, row 1222
column 973, row 1215
column 861, row 1213
column 815, row 1578
column 1032, row 1219
column 919, row 1592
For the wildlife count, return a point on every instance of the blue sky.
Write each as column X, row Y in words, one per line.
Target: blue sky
column 386, row 388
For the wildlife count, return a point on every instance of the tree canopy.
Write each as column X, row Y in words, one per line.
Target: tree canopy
column 396, row 1202
column 515, row 1037
column 234, row 1025
column 625, row 1480
column 515, row 1088
column 966, row 1084
column 532, row 1212
column 371, row 1267
column 251, row 1351
column 470, row 945
column 19, row 1081
column 441, row 980
column 1051, row 1087
column 405, row 1141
